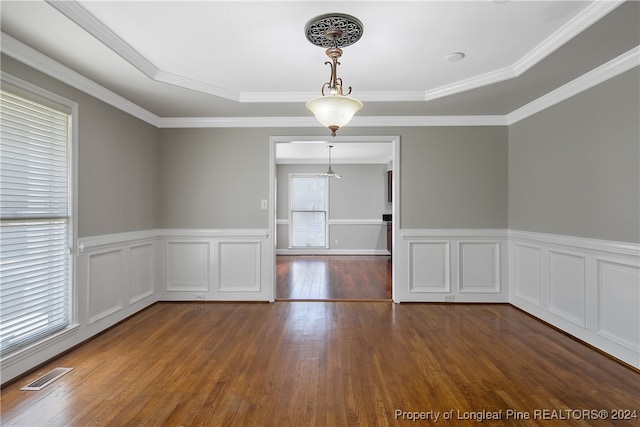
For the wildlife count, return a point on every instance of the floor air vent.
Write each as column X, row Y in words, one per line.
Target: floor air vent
column 46, row 379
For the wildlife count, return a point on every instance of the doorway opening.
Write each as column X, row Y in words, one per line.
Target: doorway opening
column 356, row 261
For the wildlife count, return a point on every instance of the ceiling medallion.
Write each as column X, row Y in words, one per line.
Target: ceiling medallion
column 334, row 31
column 349, row 26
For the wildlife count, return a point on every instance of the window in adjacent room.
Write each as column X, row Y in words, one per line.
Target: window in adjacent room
column 35, row 213
column 309, row 201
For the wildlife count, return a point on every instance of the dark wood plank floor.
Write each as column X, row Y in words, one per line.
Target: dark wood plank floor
column 333, row 277
column 326, row 364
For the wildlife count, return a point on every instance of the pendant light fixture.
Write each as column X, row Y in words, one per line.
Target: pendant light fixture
column 330, row 173
column 334, row 31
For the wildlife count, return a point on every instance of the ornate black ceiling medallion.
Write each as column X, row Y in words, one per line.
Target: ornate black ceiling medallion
column 333, row 30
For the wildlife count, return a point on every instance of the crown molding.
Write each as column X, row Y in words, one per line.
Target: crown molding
column 358, row 121
column 31, row 57
column 82, row 17
column 575, row 26
column 598, row 75
column 48, row 66
column 85, row 20
column 474, row 82
column 591, row 14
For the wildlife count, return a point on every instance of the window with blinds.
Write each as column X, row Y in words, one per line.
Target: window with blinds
column 35, row 221
column 308, row 216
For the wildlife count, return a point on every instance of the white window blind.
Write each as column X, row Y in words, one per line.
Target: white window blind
column 308, row 201
column 35, row 221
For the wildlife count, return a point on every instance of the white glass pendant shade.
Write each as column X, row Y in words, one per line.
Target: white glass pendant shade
column 334, row 111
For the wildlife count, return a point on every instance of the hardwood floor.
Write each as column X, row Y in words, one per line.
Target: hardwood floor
column 333, row 277
column 326, row 364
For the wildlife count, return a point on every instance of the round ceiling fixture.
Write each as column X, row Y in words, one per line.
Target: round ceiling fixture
column 334, row 30
column 455, row 57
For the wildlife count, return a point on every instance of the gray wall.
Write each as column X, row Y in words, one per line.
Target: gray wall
column 359, row 194
column 574, row 167
column 453, row 177
column 117, row 161
column 214, row 178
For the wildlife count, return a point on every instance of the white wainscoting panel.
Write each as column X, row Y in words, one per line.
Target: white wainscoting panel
column 217, row 265
column 429, row 263
column 187, row 266
column 618, row 300
column 452, row 265
column 116, row 276
column 589, row 288
column 239, row 266
column 479, row 266
column 526, row 269
column 142, row 265
column 105, row 290
column 567, row 286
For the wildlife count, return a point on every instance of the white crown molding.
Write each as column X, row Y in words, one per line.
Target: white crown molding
column 82, row 17
column 46, row 65
column 470, row 83
column 591, row 14
column 78, row 14
column 575, row 26
column 236, row 122
column 31, row 57
column 359, row 121
column 385, row 121
column 196, row 85
column 598, row 75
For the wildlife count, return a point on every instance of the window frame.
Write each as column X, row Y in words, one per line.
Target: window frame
column 325, row 210
column 45, row 97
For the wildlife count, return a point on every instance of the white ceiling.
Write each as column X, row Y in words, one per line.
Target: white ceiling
column 232, row 60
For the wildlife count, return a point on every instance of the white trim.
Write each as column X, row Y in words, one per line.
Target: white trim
column 83, row 18
column 591, row 14
column 86, row 244
column 454, row 233
column 42, row 63
column 613, row 68
column 251, row 233
column 31, row 57
column 363, row 121
column 581, row 243
column 575, row 26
